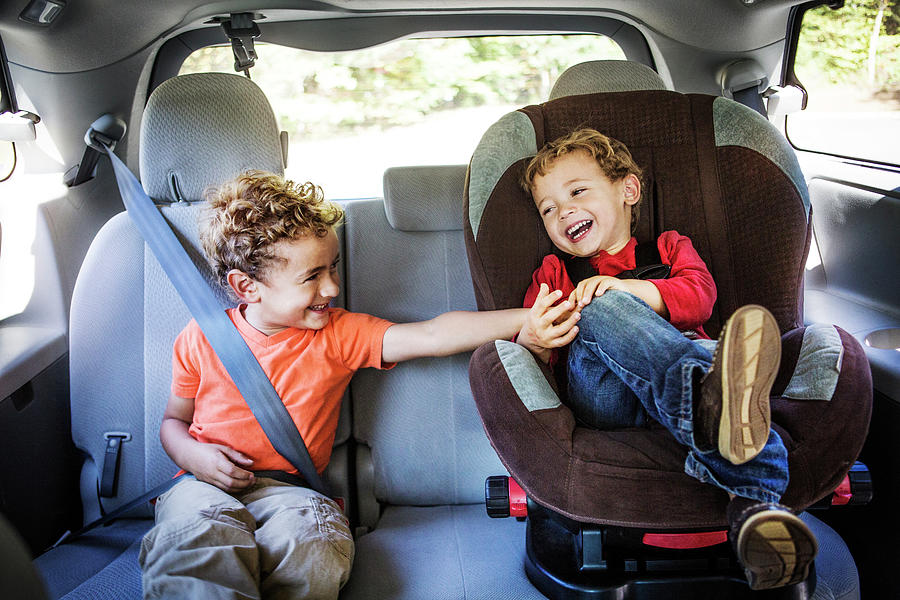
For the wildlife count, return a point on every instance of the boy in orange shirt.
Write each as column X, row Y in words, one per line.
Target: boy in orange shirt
column 244, row 525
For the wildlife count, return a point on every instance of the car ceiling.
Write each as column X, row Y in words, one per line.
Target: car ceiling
column 92, row 33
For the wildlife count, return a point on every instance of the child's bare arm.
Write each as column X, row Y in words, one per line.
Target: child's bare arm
column 449, row 333
column 219, row 465
column 593, row 287
column 546, row 326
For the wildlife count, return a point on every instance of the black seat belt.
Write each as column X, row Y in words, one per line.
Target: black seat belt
column 751, row 98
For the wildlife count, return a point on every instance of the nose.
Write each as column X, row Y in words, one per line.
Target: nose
column 565, row 211
column 331, row 285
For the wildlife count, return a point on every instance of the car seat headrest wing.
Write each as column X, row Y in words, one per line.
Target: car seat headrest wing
column 201, row 129
column 740, row 126
column 606, row 76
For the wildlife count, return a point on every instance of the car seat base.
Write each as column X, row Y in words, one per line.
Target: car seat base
column 566, row 560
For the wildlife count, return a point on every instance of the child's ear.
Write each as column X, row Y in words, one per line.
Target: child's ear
column 631, row 189
column 243, row 286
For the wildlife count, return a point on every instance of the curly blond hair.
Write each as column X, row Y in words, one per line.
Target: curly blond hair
column 613, row 156
column 247, row 216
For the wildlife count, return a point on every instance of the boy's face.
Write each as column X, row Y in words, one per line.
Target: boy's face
column 299, row 287
column 582, row 210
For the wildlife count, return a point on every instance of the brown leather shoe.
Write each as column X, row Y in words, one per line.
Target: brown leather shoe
column 732, row 413
column 773, row 545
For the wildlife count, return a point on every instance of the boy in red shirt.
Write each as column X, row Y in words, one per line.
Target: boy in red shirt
column 637, row 351
column 238, row 527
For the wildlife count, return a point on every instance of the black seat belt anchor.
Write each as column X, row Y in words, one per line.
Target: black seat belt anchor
column 109, row 476
column 100, row 138
column 242, row 30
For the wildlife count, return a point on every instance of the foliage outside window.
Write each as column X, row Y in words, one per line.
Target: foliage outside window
column 350, row 115
column 849, row 62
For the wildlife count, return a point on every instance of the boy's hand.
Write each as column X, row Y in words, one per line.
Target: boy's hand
column 596, row 286
column 221, row 466
column 593, row 287
column 547, row 326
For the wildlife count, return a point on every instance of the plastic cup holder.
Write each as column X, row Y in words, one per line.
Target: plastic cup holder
column 885, row 339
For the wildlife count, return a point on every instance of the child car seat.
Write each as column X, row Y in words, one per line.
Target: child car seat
column 719, row 173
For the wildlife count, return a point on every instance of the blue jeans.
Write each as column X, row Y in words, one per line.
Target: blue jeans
column 629, row 365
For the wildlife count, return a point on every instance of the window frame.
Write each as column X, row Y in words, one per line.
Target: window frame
column 789, row 77
column 7, row 104
column 314, row 35
column 7, row 96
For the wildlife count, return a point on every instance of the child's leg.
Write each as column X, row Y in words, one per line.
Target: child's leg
column 662, row 368
column 202, row 546
column 774, row 545
column 671, row 376
column 596, row 395
column 305, row 546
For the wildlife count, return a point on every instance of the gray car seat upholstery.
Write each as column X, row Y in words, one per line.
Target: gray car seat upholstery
column 605, row 76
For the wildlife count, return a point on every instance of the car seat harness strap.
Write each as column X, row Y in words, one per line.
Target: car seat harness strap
column 648, row 265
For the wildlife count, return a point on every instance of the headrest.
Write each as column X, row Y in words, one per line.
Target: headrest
column 425, row 198
column 202, row 129
column 606, row 76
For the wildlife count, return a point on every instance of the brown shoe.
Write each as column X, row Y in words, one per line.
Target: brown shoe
column 773, row 545
column 732, row 413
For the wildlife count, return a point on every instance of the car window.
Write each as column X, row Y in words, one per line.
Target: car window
column 849, row 62
column 424, row 101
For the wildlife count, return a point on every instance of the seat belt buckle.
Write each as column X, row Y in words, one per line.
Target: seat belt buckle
column 109, row 476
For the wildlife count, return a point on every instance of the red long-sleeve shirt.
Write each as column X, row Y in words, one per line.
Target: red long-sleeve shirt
column 689, row 293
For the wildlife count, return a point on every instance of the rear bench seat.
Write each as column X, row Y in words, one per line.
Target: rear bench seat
column 421, row 450
column 421, row 454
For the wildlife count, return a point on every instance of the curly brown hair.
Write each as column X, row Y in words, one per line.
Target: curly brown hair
column 248, row 215
column 613, row 156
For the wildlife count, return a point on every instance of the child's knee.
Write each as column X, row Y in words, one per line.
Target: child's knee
column 307, row 547
column 613, row 305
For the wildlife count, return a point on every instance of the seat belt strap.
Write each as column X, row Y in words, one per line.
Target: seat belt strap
column 648, row 265
column 223, row 336
column 115, row 514
column 751, row 98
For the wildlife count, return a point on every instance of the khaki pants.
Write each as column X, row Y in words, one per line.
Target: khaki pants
column 271, row 541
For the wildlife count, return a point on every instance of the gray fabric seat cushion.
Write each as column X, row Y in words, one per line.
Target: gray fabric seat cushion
column 101, row 564
column 440, row 553
column 458, row 552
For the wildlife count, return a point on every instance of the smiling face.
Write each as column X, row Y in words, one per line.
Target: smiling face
column 582, row 210
column 299, row 285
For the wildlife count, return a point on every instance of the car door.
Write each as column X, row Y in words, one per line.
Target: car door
column 848, row 61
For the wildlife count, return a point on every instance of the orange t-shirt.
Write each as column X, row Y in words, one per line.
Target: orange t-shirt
column 309, row 368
